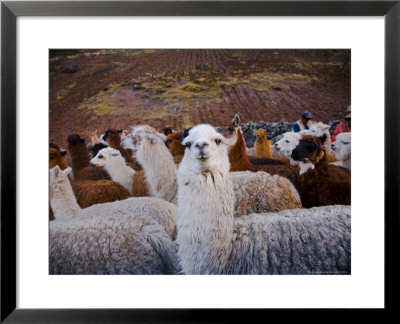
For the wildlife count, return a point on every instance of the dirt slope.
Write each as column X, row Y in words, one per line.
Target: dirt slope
column 99, row 89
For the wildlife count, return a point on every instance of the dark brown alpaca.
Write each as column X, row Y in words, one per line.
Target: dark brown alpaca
column 80, row 161
column 326, row 184
column 113, row 138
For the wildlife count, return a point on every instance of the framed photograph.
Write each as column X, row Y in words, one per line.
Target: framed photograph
column 81, row 74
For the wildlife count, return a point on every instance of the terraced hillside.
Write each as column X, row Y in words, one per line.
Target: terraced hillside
column 98, row 89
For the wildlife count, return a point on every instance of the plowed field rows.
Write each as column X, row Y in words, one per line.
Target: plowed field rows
column 99, row 89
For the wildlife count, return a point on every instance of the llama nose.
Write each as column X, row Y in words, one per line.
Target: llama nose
column 295, row 154
column 201, row 145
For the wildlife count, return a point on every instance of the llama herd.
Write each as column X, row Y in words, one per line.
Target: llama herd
column 197, row 202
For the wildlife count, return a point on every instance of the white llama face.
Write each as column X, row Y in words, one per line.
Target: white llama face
column 132, row 140
column 203, row 144
column 342, row 145
column 104, row 156
column 317, row 129
column 288, row 142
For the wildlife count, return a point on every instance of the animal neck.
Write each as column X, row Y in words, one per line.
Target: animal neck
column 237, row 154
column 62, row 199
column 79, row 157
column 115, row 143
column 120, row 172
column 205, row 219
column 160, row 171
column 177, row 149
column 263, row 147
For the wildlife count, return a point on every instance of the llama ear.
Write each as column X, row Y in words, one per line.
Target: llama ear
column 185, row 133
column 167, row 130
column 67, row 171
column 55, row 171
column 323, row 138
column 236, row 120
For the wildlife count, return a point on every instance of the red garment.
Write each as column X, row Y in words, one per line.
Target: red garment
column 339, row 129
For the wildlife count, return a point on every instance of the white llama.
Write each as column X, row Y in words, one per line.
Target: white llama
column 342, row 149
column 115, row 164
column 158, row 165
column 211, row 241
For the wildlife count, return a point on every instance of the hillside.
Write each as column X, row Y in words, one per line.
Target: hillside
column 98, row 89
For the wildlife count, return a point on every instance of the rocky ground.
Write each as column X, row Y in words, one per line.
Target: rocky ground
column 97, row 89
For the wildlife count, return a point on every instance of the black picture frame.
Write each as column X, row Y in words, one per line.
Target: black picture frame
column 11, row 10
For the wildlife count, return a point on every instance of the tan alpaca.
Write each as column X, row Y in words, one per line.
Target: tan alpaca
column 262, row 144
column 94, row 139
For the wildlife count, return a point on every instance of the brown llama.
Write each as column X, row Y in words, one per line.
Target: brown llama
column 263, row 149
column 240, row 161
column 175, row 146
column 80, row 161
column 237, row 148
column 113, row 138
column 262, row 144
column 324, row 184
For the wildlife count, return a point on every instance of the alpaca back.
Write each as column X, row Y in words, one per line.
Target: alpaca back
column 163, row 212
column 89, row 193
column 260, row 192
column 118, row 244
column 327, row 184
column 297, row 241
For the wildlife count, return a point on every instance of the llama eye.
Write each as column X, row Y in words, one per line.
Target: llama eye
column 188, row 144
column 52, row 156
column 287, row 141
column 100, row 156
column 218, row 141
column 230, row 129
